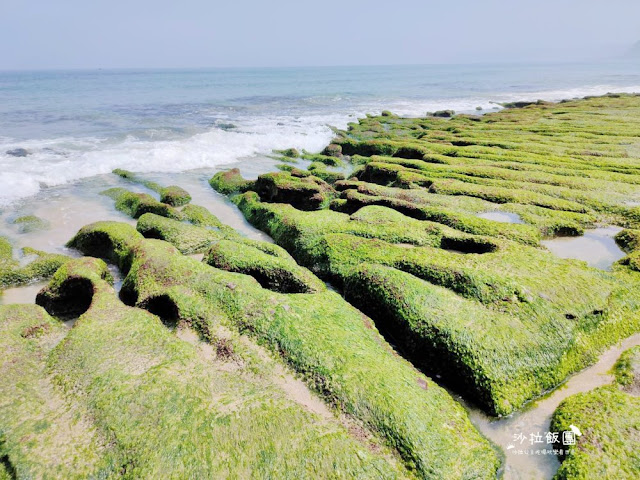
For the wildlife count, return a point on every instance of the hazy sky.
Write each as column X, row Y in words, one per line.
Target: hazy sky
column 211, row 33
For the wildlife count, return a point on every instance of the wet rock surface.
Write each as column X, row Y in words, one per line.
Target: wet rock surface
column 484, row 320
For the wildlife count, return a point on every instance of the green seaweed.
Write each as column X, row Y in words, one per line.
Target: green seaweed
column 43, row 433
column 230, row 181
column 136, row 204
column 334, row 347
column 163, row 407
column 608, row 419
column 405, row 244
column 12, row 274
column 171, row 195
column 30, row 223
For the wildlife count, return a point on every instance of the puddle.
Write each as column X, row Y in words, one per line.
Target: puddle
column 503, row 217
column 596, row 247
column 22, row 295
column 537, row 419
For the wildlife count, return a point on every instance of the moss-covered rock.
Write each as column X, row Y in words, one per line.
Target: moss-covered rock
column 304, row 193
column 608, row 419
column 519, row 317
column 136, row 204
column 45, row 433
column 121, row 395
column 230, row 181
column 627, row 371
column 444, row 113
column 41, row 266
column 325, row 158
column 629, row 241
column 276, row 273
column 190, row 239
column 332, row 150
column 569, row 170
column 172, row 195
column 289, row 153
column 30, row 223
column 320, row 170
column 329, row 343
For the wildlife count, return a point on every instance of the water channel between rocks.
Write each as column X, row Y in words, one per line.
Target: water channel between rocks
column 536, row 418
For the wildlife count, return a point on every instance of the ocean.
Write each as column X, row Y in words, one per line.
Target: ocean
column 78, row 124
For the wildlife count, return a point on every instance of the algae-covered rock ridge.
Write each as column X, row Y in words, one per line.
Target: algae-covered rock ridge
column 226, row 357
column 479, row 302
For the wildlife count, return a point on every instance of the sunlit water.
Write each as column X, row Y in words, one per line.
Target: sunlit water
column 536, row 419
column 76, row 124
column 597, row 247
column 502, row 217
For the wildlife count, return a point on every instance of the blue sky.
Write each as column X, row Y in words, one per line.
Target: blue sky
column 42, row 34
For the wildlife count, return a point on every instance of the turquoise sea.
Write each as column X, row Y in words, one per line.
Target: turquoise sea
column 73, row 125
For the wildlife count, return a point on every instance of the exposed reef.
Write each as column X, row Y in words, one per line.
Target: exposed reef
column 120, row 395
column 476, row 301
column 171, row 195
column 608, row 419
column 332, row 345
column 40, row 265
column 225, row 357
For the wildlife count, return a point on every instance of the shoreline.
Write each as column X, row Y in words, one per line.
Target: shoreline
column 372, row 177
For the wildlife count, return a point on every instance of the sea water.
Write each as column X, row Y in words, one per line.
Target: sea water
column 78, row 124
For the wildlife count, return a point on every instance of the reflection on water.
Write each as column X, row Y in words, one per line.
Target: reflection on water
column 596, row 247
column 537, row 419
column 504, row 217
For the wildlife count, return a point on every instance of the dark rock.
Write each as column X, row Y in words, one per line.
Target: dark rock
column 332, row 150
column 18, row 152
column 444, row 113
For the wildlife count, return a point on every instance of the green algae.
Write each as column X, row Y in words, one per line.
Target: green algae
column 272, row 272
column 609, row 421
column 627, row 370
column 43, row 433
column 465, row 297
column 629, row 241
column 304, row 192
column 168, row 409
column 289, row 153
column 230, row 181
column 193, row 238
column 320, row 170
column 172, row 195
column 12, row 274
column 335, row 348
column 30, row 223
column 136, row 204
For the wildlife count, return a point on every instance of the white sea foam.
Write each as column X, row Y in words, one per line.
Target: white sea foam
column 63, row 160
column 492, row 102
column 55, row 162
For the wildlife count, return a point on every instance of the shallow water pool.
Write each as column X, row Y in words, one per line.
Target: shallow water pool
column 503, row 217
column 597, row 247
